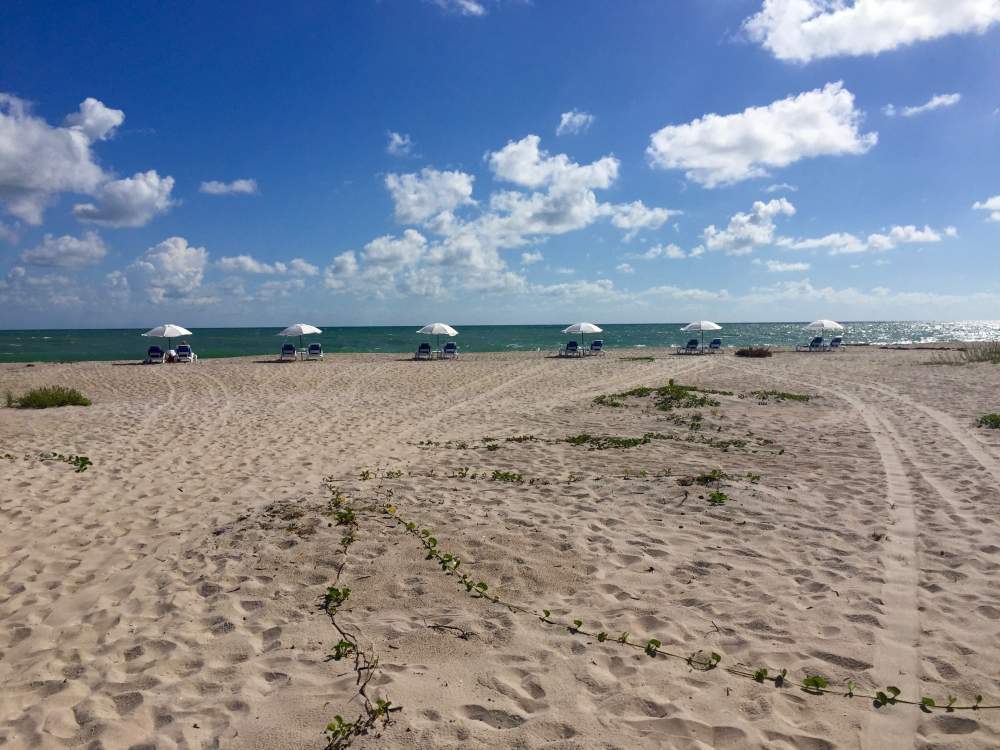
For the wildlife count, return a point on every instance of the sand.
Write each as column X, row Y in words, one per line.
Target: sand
column 169, row 596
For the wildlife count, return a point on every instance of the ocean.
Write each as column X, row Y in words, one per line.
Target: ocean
column 125, row 344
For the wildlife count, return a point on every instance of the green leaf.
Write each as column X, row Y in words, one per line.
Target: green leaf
column 761, row 674
column 815, row 683
column 602, row 637
column 927, row 702
column 715, row 658
column 481, row 586
column 651, row 646
column 623, row 638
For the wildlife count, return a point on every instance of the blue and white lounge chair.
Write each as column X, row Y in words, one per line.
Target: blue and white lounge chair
column 450, row 350
column 816, row 345
column 288, row 353
column 315, row 351
column 691, row 348
column 423, row 351
column 572, row 349
column 596, row 347
column 185, row 354
column 714, row 345
column 154, row 355
column 836, row 343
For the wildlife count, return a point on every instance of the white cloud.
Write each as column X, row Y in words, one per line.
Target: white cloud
column 302, row 267
column 843, row 243
column 566, row 271
column 936, row 102
column 603, row 289
column 524, row 164
column 392, row 253
column 172, row 269
column 990, row 204
column 781, row 187
column 625, row 268
column 96, row 121
column 777, row 266
column 636, row 216
column 249, row 264
column 671, row 252
column 9, row 232
column 528, row 259
column 721, row 149
column 244, row 186
column 805, row 30
column 573, row 122
column 399, row 144
column 341, row 271
column 462, row 7
column 419, row 196
column 748, row 230
column 129, row 202
column 66, row 251
column 38, row 160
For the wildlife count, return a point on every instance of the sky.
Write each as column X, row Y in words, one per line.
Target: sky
column 390, row 162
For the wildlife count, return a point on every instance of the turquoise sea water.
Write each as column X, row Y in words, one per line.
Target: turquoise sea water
column 124, row 344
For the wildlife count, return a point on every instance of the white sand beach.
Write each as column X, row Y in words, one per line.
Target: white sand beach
column 170, row 595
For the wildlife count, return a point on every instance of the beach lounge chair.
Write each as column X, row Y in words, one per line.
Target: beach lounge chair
column 185, row 354
column 288, row 353
column 816, row 345
column 691, row 348
column 714, row 345
column 596, row 346
column 450, row 350
column 836, row 343
column 315, row 351
column 154, row 355
column 423, row 351
column 572, row 349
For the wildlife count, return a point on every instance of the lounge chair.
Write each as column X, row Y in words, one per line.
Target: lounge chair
column 423, row 351
column 836, row 343
column 315, row 351
column 714, row 345
column 450, row 350
column 691, row 348
column 596, row 347
column 816, row 345
column 288, row 353
column 572, row 349
column 154, row 356
column 185, row 354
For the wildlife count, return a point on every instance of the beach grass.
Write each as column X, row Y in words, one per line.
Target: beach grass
column 46, row 397
column 756, row 352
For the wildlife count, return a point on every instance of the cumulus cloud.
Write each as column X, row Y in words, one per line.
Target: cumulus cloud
column 935, row 102
column 524, row 163
column 38, row 160
column 624, row 268
column 992, row 205
column 66, row 251
column 129, row 202
column 671, row 252
column 805, row 30
column 341, row 271
column 636, row 216
column 243, row 186
column 844, row 243
column 250, row 265
column 419, row 196
column 95, row 120
column 528, row 259
column 399, row 144
column 777, row 266
column 462, row 7
column 173, row 269
column 722, row 149
column 573, row 122
column 748, row 230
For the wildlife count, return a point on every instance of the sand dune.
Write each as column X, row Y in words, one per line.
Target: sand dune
column 170, row 595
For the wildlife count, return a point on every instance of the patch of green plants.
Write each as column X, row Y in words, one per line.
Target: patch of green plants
column 717, row 498
column 991, row 421
column 47, row 397
column 667, row 397
column 754, row 352
column 80, row 463
column 763, row 396
column 521, row 439
column 987, row 351
column 637, row 359
column 598, row 443
column 506, row 476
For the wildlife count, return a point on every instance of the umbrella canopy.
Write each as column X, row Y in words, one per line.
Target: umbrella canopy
column 167, row 331
column 702, row 325
column 582, row 328
column 439, row 330
column 300, row 330
column 824, row 325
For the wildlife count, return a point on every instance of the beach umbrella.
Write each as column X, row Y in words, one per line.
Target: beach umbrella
column 439, row 330
column 300, row 330
column 824, row 325
column 582, row 328
column 167, row 331
column 702, row 326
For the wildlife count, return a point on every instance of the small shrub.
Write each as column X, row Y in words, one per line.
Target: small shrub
column 507, row 476
column 989, row 420
column 756, row 352
column 43, row 398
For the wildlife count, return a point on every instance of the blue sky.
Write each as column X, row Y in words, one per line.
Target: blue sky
column 486, row 161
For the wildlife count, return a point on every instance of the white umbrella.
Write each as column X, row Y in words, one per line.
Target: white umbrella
column 439, row 330
column 300, row 330
column 824, row 325
column 167, row 331
column 702, row 325
column 582, row 328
